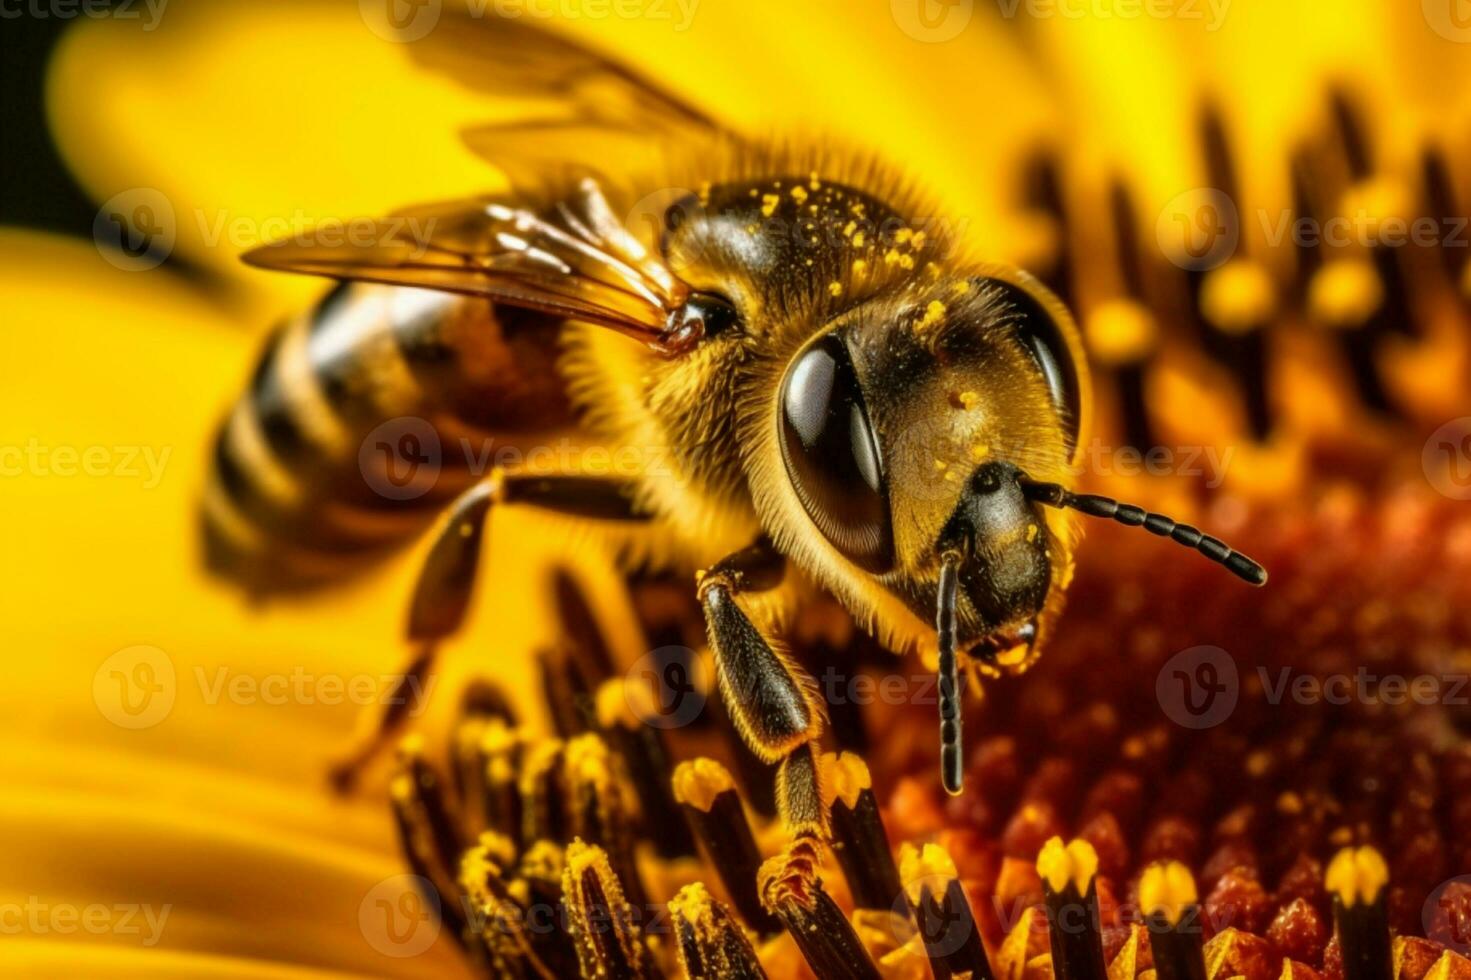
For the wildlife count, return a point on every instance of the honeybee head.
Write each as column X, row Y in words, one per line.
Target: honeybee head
column 908, row 429
column 928, row 435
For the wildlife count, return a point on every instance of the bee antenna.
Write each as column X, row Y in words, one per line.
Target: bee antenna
column 1095, row 505
column 951, row 770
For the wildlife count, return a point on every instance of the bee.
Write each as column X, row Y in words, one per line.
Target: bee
column 844, row 401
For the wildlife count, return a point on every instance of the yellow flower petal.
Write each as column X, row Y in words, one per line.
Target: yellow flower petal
column 255, row 122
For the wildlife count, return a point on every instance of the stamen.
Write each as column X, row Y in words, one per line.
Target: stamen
column 826, row 938
column 1070, row 888
column 859, row 840
column 497, row 919
column 1042, row 192
column 1439, row 198
column 1238, row 301
column 1168, row 897
column 598, row 812
column 1123, row 330
column 1123, row 335
column 952, row 939
column 481, row 703
column 544, row 793
column 604, row 926
column 708, row 940
column 417, row 786
column 500, row 750
column 587, row 646
column 572, row 672
column 538, row 887
column 710, row 801
column 646, row 759
column 1356, row 878
column 420, row 838
column 565, row 693
column 952, row 769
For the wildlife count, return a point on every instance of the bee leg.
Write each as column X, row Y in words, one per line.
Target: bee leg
column 446, row 584
column 776, row 707
column 380, row 723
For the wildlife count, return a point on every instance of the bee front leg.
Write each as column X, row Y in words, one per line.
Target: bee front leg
column 446, row 584
column 776, row 706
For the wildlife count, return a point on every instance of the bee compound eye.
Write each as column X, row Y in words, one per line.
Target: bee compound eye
column 831, row 454
column 1042, row 338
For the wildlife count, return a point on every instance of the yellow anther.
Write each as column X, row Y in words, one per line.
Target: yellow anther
column 1356, row 875
column 698, row 781
column 1167, row 890
column 1076, row 862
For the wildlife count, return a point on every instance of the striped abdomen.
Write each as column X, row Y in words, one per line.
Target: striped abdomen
column 363, row 419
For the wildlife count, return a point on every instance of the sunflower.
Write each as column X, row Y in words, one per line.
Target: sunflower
column 1193, row 781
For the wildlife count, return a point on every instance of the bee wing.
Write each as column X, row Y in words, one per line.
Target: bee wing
column 573, row 259
column 538, row 154
column 602, row 110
